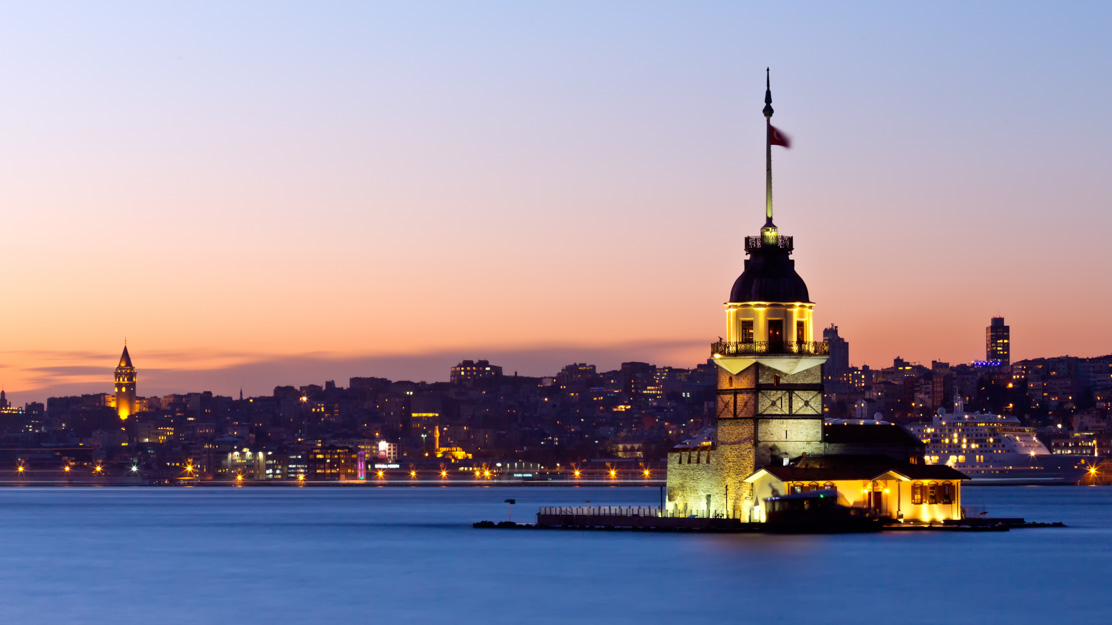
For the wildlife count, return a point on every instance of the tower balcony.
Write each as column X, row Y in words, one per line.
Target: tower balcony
column 781, row 242
column 760, row 348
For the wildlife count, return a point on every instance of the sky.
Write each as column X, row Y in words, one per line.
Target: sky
column 255, row 194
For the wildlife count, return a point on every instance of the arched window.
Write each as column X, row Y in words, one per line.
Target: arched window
column 917, row 493
column 828, row 486
column 813, row 486
column 932, row 493
column 947, row 492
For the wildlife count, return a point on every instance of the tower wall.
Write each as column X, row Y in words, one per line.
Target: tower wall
column 694, row 480
column 763, row 417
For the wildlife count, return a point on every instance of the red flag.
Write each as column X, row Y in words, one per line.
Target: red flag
column 778, row 138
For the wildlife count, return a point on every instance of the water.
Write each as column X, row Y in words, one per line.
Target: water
column 401, row 555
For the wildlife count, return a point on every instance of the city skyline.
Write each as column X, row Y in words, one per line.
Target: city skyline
column 262, row 195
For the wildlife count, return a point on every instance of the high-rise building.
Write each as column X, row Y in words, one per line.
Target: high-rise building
column 125, row 386
column 837, row 367
column 998, row 346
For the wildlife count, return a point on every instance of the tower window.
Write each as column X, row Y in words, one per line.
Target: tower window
column 775, row 330
column 747, row 331
column 800, row 332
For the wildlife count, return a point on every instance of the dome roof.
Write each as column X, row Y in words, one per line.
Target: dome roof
column 769, row 276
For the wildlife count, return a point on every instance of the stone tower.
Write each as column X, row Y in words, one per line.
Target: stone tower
column 769, row 398
column 125, row 386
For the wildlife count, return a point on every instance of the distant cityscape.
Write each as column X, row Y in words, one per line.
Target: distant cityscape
column 485, row 423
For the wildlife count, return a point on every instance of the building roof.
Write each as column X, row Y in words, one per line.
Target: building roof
column 857, row 467
column 125, row 359
column 769, row 276
column 703, row 439
column 873, row 433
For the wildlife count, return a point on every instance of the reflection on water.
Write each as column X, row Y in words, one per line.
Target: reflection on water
column 355, row 555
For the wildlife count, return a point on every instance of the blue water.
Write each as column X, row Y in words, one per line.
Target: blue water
column 398, row 555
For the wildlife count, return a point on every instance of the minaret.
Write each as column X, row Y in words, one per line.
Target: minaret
column 125, row 386
column 769, row 398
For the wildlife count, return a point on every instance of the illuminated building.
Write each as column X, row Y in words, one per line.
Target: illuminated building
column 770, row 387
column 125, row 386
column 769, row 436
column 333, row 462
column 998, row 346
column 469, row 372
column 244, row 463
column 387, row 452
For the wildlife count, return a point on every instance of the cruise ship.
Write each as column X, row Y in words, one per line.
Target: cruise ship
column 992, row 448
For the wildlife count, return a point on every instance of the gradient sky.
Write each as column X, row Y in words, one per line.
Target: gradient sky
column 265, row 193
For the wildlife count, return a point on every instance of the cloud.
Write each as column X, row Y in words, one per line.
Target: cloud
column 225, row 373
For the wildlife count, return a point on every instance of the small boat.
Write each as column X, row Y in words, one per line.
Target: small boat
column 817, row 512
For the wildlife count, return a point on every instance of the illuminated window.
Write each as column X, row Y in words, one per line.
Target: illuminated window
column 917, row 493
column 800, row 332
column 932, row 493
column 747, row 331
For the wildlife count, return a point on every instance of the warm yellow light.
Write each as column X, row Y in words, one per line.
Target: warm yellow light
column 98, row 469
column 646, row 473
column 66, row 468
column 1092, row 470
column 300, row 478
column 443, row 474
column 380, row 474
column 20, row 469
column 613, row 473
column 239, row 478
column 412, row 474
column 486, row 474
column 577, row 473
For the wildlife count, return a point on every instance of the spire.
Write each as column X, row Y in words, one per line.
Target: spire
column 768, row 232
column 125, row 358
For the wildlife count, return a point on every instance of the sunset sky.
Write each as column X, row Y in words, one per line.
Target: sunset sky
column 267, row 193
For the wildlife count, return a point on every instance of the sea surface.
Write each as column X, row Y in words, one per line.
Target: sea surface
column 409, row 555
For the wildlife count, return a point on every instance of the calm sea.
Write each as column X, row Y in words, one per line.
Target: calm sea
column 399, row 555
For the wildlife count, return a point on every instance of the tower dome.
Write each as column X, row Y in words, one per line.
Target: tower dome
column 769, row 274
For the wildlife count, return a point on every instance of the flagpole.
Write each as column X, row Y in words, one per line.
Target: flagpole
column 768, row 149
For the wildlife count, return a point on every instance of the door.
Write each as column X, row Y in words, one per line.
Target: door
column 775, row 335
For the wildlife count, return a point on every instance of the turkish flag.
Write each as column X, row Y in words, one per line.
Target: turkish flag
column 778, row 138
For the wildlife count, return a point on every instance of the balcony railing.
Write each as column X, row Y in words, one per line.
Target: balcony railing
column 801, row 348
column 752, row 243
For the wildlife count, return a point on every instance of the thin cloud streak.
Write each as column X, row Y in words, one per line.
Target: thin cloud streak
column 226, row 373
